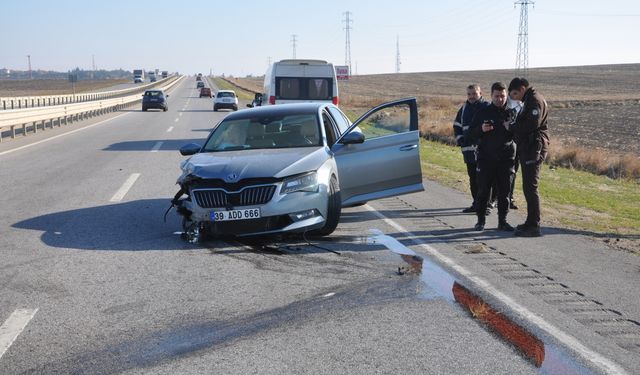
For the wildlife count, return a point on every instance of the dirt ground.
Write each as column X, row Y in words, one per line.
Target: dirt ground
column 36, row 87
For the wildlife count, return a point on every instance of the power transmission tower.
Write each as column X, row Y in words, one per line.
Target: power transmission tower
column 293, row 44
column 398, row 54
column 30, row 72
column 347, row 43
column 522, row 56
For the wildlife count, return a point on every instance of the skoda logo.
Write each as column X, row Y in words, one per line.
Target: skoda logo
column 231, row 177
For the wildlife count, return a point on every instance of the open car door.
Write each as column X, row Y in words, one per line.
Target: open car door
column 378, row 156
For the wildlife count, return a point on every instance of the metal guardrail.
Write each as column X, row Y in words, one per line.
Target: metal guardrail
column 69, row 113
column 19, row 102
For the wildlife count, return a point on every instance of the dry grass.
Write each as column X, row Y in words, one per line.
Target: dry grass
column 37, row 87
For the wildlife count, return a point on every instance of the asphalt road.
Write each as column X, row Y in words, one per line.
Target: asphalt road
column 92, row 280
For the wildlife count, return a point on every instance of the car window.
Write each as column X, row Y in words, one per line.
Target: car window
column 303, row 88
column 329, row 128
column 265, row 132
column 153, row 93
column 340, row 119
column 387, row 121
column 223, row 94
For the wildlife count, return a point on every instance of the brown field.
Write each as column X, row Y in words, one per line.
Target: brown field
column 37, row 87
column 595, row 110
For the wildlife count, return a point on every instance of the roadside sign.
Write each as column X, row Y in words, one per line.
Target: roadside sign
column 342, row 72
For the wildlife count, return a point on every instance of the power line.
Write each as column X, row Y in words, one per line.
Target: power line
column 347, row 44
column 293, row 44
column 522, row 55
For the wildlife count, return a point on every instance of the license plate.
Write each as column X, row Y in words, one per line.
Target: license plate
column 244, row 214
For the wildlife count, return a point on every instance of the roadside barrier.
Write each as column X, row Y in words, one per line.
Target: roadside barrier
column 31, row 119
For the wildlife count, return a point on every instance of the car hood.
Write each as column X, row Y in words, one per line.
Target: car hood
column 233, row 166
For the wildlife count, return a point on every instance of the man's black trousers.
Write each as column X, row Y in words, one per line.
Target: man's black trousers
column 500, row 173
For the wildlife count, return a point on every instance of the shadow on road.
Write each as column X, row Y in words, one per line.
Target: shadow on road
column 147, row 145
column 129, row 226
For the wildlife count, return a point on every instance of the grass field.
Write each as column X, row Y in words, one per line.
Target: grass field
column 37, row 87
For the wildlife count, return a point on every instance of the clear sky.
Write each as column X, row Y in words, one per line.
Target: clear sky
column 239, row 37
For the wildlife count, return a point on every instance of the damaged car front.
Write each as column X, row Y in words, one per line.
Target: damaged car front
column 260, row 171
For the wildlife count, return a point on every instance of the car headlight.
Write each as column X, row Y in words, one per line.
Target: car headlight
column 305, row 182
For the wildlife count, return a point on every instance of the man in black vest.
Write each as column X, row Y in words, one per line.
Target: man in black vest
column 461, row 124
column 532, row 137
column 496, row 154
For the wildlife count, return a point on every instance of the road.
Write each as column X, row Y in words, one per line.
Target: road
column 92, row 280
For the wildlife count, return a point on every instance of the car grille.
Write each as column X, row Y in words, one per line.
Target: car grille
column 213, row 198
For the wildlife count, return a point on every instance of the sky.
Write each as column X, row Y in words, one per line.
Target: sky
column 241, row 37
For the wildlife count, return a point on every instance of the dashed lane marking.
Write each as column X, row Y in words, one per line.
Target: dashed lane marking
column 170, row 129
column 567, row 340
column 117, row 197
column 12, row 328
column 157, row 146
column 177, row 119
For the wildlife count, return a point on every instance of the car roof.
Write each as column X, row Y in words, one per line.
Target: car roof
column 154, row 90
column 227, row 91
column 278, row 110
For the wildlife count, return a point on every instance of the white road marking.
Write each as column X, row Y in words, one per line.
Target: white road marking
column 170, row 129
column 177, row 119
column 16, row 323
column 587, row 354
column 117, row 197
column 157, row 146
column 180, row 114
column 59, row 135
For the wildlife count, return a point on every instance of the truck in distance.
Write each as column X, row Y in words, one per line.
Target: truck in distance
column 138, row 76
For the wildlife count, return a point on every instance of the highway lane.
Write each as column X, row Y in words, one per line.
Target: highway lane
column 116, row 291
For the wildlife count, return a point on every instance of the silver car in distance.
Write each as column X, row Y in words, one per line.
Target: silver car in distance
column 292, row 167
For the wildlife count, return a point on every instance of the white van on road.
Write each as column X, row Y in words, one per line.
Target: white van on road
column 300, row 81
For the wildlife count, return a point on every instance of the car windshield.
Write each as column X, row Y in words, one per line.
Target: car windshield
column 223, row 94
column 153, row 93
column 265, row 132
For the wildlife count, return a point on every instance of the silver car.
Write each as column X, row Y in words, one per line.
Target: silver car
column 292, row 167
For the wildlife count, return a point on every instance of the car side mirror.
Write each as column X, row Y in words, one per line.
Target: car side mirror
column 190, row 149
column 352, row 138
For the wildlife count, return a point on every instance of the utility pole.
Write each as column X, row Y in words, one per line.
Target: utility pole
column 522, row 55
column 30, row 72
column 93, row 65
column 398, row 54
column 293, row 44
column 268, row 61
column 347, row 43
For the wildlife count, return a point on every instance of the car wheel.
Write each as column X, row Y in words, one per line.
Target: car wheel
column 215, row 109
column 333, row 211
column 166, row 109
column 144, row 109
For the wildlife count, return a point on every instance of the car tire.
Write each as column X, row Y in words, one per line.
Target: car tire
column 144, row 109
column 215, row 109
column 334, row 210
column 165, row 109
column 235, row 108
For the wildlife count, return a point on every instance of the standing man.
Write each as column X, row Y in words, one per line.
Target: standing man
column 496, row 154
column 461, row 125
column 531, row 135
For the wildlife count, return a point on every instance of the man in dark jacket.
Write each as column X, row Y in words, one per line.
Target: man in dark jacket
column 474, row 102
column 531, row 135
column 496, row 154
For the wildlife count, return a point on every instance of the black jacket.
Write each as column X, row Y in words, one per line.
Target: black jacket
column 530, row 128
column 461, row 125
column 497, row 144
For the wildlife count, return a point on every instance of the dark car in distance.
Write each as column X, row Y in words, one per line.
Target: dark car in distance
column 205, row 91
column 154, row 99
column 200, row 84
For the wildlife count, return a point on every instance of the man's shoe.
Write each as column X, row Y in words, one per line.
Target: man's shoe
column 469, row 210
column 529, row 232
column 487, row 212
column 479, row 227
column 513, row 205
column 505, row 227
column 522, row 226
